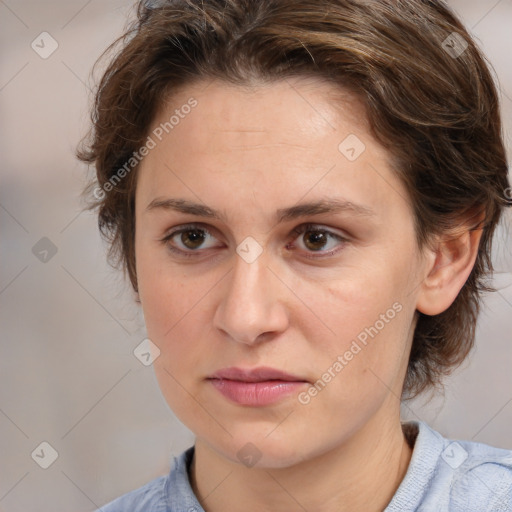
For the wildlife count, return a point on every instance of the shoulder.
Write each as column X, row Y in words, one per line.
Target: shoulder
column 468, row 476
column 170, row 493
column 453, row 475
column 148, row 497
column 480, row 473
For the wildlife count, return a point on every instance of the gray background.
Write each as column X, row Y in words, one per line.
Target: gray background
column 69, row 326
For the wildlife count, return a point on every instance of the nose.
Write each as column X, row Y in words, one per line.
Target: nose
column 251, row 308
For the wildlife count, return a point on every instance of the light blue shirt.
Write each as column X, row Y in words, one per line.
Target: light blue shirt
column 443, row 476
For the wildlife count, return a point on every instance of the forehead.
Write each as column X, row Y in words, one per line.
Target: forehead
column 287, row 136
column 294, row 110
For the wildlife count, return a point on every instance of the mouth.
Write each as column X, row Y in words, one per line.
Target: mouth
column 260, row 374
column 256, row 387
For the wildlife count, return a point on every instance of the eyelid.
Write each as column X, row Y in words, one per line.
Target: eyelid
column 301, row 228
column 189, row 226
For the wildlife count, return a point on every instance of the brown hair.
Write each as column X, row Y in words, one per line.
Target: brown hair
column 430, row 100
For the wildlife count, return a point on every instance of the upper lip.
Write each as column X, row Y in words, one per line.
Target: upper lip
column 260, row 374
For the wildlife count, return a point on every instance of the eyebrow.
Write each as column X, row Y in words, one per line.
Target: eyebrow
column 322, row 206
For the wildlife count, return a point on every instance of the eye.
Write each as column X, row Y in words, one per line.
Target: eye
column 188, row 239
column 320, row 240
column 191, row 240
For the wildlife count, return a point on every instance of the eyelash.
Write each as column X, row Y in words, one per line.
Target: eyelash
column 299, row 230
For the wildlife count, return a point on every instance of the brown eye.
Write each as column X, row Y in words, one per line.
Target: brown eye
column 192, row 238
column 315, row 239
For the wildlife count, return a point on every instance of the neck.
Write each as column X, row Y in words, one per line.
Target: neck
column 361, row 474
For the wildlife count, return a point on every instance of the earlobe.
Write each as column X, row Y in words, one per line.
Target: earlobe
column 447, row 271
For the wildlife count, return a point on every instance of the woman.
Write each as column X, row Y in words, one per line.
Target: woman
column 304, row 196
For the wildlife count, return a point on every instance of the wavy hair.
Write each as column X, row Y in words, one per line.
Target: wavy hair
column 428, row 91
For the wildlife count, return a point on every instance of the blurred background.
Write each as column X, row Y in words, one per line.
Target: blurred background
column 69, row 377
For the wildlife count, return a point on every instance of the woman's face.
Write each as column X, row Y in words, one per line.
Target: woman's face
column 247, row 284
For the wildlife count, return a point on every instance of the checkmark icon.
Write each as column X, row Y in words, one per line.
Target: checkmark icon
column 454, row 45
column 44, row 250
column 351, row 147
column 249, row 249
column 146, row 352
column 44, row 45
column 249, row 455
column 454, row 455
column 44, row 455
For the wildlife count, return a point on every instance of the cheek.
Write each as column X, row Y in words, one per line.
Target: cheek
column 354, row 301
column 172, row 314
column 161, row 294
column 368, row 318
column 369, row 333
column 174, row 311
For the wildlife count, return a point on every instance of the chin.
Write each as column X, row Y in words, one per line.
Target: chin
column 252, row 449
column 265, row 455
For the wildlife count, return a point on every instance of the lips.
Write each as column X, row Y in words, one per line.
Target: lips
column 260, row 374
column 257, row 387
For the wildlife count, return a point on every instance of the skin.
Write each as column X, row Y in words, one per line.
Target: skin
column 248, row 152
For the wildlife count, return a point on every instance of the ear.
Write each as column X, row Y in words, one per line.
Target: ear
column 450, row 263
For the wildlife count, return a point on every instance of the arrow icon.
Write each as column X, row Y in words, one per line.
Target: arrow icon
column 44, row 455
column 146, row 352
column 44, row 45
column 249, row 455
column 454, row 455
column 44, row 250
column 351, row 147
column 249, row 249
column 455, row 45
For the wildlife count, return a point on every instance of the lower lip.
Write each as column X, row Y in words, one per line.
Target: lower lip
column 256, row 393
